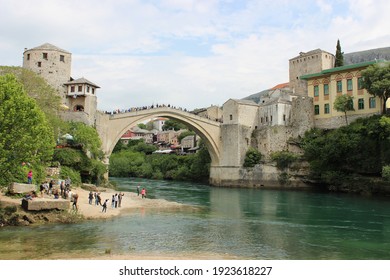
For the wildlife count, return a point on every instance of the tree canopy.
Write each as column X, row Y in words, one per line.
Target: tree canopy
column 339, row 59
column 172, row 124
column 26, row 138
column 344, row 103
column 376, row 79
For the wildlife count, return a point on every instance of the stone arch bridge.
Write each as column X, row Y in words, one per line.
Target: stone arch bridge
column 112, row 127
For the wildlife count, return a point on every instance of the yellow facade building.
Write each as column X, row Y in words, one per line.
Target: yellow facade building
column 326, row 85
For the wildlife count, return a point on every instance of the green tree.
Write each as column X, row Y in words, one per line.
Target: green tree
column 344, row 103
column 173, row 124
column 25, row 135
column 252, row 157
column 376, row 80
column 88, row 137
column 141, row 125
column 339, row 59
column 46, row 97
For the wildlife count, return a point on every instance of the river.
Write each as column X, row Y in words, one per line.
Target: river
column 229, row 223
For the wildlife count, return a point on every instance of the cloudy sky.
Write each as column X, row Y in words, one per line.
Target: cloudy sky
column 188, row 53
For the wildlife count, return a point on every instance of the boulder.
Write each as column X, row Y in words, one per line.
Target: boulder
column 39, row 204
column 21, row 188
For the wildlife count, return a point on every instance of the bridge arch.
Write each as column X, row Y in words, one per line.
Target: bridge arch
column 118, row 124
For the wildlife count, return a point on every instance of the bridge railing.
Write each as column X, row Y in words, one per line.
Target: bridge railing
column 144, row 109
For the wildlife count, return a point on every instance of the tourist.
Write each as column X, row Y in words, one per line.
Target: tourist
column 90, row 197
column 120, row 199
column 105, row 206
column 75, row 198
column 113, row 201
column 116, row 200
column 56, row 195
column 41, row 189
column 143, row 193
column 62, row 188
column 67, row 182
column 29, row 177
column 99, row 199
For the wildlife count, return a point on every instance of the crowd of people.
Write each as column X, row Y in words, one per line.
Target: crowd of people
column 135, row 109
column 49, row 188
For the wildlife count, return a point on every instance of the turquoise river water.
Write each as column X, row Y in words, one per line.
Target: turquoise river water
column 227, row 223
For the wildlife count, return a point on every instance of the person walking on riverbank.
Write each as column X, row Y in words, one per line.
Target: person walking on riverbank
column 90, row 197
column 120, row 199
column 104, row 209
column 75, row 197
column 143, row 193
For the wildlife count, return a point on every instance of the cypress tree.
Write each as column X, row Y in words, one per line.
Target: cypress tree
column 339, row 61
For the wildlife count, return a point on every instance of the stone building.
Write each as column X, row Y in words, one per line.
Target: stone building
column 307, row 63
column 52, row 63
column 325, row 86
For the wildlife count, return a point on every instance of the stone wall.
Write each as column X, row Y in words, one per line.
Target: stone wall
column 336, row 122
column 265, row 175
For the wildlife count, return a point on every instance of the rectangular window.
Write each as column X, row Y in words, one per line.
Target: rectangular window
column 350, row 105
column 72, row 89
column 361, row 104
column 44, row 55
column 62, row 58
column 339, row 86
column 372, row 102
column 326, row 108
column 261, row 119
column 360, row 83
column 349, row 84
column 271, row 118
column 39, row 64
column 284, row 117
column 80, row 88
column 231, row 117
column 316, row 109
column 316, row 91
column 326, row 89
column 87, row 88
column 28, row 56
column 93, row 91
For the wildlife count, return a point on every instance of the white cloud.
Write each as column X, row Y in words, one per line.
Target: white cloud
column 188, row 53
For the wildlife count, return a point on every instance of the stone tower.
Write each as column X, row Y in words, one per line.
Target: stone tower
column 308, row 63
column 52, row 63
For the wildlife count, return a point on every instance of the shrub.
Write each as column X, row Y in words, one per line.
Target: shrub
column 283, row 158
column 252, row 157
column 72, row 174
column 386, row 173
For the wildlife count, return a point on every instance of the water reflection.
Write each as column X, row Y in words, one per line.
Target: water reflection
column 238, row 223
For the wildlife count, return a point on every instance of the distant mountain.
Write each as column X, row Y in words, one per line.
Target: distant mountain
column 257, row 96
column 368, row 55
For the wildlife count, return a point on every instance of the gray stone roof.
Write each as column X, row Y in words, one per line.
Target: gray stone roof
column 49, row 47
column 81, row 81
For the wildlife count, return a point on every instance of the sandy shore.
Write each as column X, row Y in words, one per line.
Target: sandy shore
column 130, row 202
